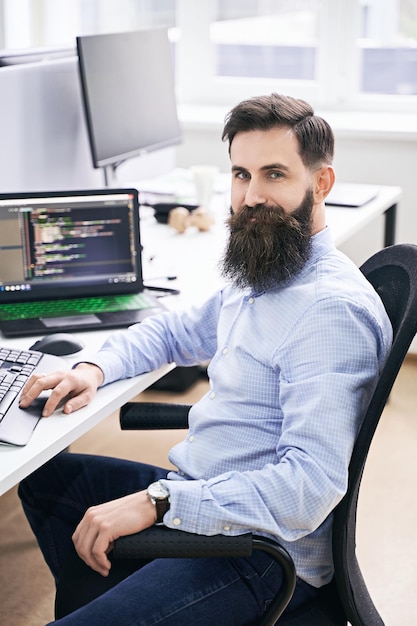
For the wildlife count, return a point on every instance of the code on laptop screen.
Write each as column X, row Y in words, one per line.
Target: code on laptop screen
column 68, row 241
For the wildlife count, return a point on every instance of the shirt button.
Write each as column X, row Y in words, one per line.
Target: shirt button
column 226, row 528
column 251, row 300
column 225, row 351
column 191, row 438
column 212, row 395
column 176, row 521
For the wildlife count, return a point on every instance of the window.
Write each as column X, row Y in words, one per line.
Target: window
column 248, row 47
column 47, row 23
column 276, row 39
column 335, row 53
column 388, row 47
column 339, row 54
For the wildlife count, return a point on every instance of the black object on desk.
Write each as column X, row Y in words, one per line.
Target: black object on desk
column 59, row 344
column 162, row 209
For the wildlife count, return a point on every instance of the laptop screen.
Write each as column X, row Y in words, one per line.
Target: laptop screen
column 59, row 244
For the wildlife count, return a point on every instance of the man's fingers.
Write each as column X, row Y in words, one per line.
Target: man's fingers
column 73, row 389
column 99, row 559
column 91, row 541
column 68, row 390
column 102, row 524
column 69, row 403
column 35, row 385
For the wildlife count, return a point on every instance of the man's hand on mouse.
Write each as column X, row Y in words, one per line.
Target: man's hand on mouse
column 74, row 388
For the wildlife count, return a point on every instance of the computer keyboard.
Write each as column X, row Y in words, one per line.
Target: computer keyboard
column 16, row 366
column 76, row 306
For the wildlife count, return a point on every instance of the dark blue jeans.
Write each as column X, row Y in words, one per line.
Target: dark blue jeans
column 170, row 592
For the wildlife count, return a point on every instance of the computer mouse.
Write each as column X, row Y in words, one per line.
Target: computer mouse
column 58, row 344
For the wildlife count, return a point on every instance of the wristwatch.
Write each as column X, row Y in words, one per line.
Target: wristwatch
column 159, row 496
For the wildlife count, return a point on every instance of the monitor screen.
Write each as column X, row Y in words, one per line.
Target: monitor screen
column 128, row 90
column 68, row 243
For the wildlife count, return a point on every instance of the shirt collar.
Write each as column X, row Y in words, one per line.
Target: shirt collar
column 321, row 243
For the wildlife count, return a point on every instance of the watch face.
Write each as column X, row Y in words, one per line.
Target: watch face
column 158, row 491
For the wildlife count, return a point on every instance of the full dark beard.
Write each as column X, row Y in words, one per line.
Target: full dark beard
column 267, row 247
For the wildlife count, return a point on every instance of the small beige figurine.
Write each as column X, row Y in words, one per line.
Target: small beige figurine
column 180, row 219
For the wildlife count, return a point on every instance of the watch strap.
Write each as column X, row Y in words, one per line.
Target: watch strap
column 162, row 506
column 159, row 496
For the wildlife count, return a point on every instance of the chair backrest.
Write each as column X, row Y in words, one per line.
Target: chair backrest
column 393, row 273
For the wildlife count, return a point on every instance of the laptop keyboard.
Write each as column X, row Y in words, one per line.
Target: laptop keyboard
column 75, row 306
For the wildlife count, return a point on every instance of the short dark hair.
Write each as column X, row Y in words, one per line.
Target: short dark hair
column 315, row 136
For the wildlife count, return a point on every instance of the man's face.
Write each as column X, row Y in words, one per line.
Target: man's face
column 273, row 210
column 267, row 170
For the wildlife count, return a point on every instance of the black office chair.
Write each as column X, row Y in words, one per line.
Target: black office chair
column 393, row 273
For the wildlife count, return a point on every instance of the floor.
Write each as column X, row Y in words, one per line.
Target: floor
column 387, row 515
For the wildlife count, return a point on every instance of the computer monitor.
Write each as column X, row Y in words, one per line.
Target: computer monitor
column 128, row 91
column 34, row 55
column 44, row 141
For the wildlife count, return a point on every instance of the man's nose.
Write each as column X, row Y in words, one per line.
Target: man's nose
column 255, row 193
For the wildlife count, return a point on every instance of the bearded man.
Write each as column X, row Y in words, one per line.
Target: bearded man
column 295, row 342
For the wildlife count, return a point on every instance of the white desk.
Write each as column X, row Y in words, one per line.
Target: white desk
column 194, row 258
column 347, row 222
column 58, row 431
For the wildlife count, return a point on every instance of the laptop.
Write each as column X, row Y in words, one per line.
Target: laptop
column 351, row 195
column 71, row 261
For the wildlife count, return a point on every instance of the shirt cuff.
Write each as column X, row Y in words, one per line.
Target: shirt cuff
column 184, row 497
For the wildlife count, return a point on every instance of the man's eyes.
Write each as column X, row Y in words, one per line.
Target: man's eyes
column 275, row 175
column 242, row 175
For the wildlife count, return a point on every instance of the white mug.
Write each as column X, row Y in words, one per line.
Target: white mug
column 204, row 177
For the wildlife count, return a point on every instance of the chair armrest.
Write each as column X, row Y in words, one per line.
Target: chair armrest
column 153, row 416
column 163, row 542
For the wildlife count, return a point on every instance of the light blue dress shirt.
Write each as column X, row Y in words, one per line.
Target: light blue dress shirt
column 291, row 372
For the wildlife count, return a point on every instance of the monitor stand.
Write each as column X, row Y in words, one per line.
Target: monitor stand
column 109, row 172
